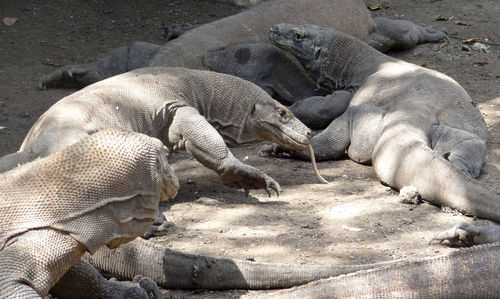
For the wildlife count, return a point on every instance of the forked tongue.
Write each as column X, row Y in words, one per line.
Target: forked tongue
column 314, row 166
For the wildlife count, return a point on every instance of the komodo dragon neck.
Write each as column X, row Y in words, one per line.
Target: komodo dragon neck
column 353, row 65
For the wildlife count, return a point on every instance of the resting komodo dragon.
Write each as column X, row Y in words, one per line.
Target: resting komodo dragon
column 249, row 26
column 416, row 126
column 103, row 190
column 199, row 111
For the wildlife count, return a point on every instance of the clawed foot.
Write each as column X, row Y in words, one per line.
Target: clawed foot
column 248, row 178
column 140, row 288
column 464, row 234
column 64, row 76
column 159, row 225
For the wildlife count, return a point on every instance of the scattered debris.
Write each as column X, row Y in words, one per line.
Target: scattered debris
column 375, row 6
column 351, row 228
column 481, row 63
column 9, row 21
column 3, row 128
column 465, row 48
column 407, row 220
column 480, row 47
column 470, row 41
column 462, row 23
column 442, row 18
column 442, row 45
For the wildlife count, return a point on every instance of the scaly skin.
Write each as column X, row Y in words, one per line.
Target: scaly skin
column 197, row 111
column 417, row 127
column 103, row 190
column 249, row 26
column 467, row 273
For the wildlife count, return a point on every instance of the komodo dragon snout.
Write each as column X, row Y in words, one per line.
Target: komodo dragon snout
column 279, row 125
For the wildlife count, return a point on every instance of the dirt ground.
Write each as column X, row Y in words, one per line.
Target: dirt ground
column 354, row 219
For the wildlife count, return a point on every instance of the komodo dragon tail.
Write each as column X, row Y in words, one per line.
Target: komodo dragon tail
column 176, row 270
column 437, row 180
column 13, row 160
column 467, row 273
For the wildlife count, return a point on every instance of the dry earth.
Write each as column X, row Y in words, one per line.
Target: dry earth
column 354, row 219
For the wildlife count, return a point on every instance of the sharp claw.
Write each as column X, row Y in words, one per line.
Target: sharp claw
column 277, row 190
column 247, row 192
column 70, row 73
column 268, row 191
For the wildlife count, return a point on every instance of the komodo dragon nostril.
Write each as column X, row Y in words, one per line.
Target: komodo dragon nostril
column 310, row 134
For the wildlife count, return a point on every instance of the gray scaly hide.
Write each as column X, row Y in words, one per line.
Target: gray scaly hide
column 104, row 190
column 418, row 127
column 188, row 50
column 197, row 111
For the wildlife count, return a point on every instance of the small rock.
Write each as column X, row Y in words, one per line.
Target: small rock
column 409, row 194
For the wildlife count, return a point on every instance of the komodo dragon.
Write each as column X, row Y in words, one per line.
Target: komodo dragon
column 416, row 126
column 199, row 111
column 103, row 190
column 176, row 270
column 249, row 26
column 468, row 273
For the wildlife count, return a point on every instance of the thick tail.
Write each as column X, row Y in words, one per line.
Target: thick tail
column 467, row 273
column 436, row 179
column 13, row 160
column 173, row 269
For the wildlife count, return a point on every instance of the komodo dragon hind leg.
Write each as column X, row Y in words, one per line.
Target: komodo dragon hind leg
column 464, row 150
column 83, row 276
column 401, row 34
column 116, row 61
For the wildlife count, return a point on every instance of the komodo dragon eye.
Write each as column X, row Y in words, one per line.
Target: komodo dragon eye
column 298, row 36
column 283, row 115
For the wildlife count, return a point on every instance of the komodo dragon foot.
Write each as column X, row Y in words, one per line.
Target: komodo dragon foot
column 247, row 177
column 465, row 234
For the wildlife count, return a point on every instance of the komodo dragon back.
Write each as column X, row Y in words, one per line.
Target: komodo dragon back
column 252, row 25
column 102, row 190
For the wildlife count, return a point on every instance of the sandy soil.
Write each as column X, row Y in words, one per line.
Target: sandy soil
column 354, row 219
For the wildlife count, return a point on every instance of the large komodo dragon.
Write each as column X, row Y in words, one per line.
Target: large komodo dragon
column 199, row 111
column 417, row 127
column 250, row 26
column 103, row 190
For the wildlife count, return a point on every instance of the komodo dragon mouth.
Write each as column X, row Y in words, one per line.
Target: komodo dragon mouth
column 295, row 140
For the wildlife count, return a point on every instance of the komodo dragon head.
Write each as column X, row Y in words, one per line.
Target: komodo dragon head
column 305, row 42
column 274, row 122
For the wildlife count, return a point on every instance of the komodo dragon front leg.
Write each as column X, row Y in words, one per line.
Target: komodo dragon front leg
column 467, row 234
column 103, row 190
column 191, row 131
